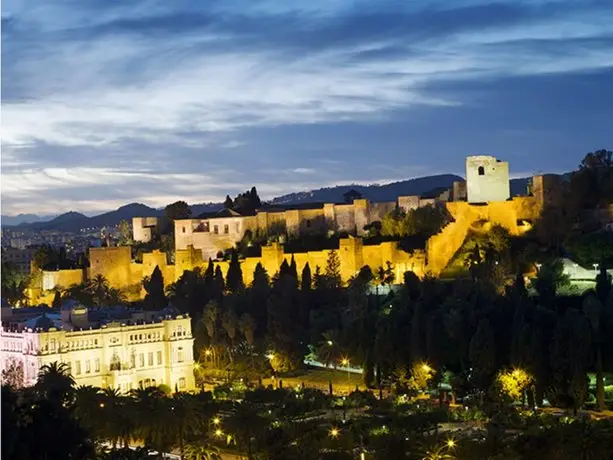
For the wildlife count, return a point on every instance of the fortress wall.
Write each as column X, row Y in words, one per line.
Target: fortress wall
column 62, row 279
column 113, row 263
column 408, row 203
column 312, row 221
column 345, row 218
column 361, row 215
column 378, row 210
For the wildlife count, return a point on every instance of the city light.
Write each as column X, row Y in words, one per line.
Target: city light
column 218, row 432
column 345, row 362
column 451, row 443
column 334, row 432
column 216, row 421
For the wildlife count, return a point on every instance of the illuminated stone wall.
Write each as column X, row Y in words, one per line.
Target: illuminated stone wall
column 511, row 214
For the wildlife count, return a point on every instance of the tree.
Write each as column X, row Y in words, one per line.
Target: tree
column 385, row 276
column 228, row 203
column 55, row 383
column 306, row 281
column 202, row 450
column 234, row 277
column 247, row 327
column 12, row 374
column 594, row 312
column 482, row 355
column 603, row 284
column 333, row 271
column 177, row 210
column 155, row 299
column 125, row 233
column 550, row 277
column 219, row 282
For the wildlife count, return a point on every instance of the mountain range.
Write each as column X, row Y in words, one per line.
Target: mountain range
column 74, row 221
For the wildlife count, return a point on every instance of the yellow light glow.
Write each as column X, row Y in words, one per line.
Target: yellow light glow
column 207, row 353
column 451, row 443
column 330, row 342
column 345, row 362
column 216, row 421
column 426, row 367
column 218, row 432
column 101, row 404
column 334, row 432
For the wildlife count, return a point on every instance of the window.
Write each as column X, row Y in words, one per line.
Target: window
column 52, row 345
column 182, row 382
column 77, row 366
column 183, row 228
column 159, row 358
column 141, row 360
column 97, row 365
column 216, row 229
column 481, row 171
column 88, row 367
column 133, row 360
column 226, row 229
column 150, row 359
column 238, row 227
column 308, row 223
column 180, row 355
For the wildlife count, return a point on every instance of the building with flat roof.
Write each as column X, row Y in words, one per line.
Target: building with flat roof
column 123, row 352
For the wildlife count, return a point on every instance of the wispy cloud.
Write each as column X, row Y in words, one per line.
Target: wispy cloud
column 95, row 92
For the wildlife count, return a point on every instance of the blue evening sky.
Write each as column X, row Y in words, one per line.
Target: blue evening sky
column 106, row 102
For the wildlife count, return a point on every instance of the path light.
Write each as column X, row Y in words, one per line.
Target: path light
column 451, row 443
column 330, row 342
column 207, row 352
column 218, row 432
column 216, row 421
column 334, row 433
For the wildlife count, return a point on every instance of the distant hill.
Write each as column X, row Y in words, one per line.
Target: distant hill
column 387, row 192
column 74, row 221
column 24, row 219
column 375, row 192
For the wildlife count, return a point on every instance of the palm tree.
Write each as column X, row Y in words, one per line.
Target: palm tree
column 55, row 382
column 202, row 451
column 154, row 418
column 88, row 405
column 186, row 417
column 244, row 423
column 117, row 417
column 100, row 288
column 328, row 350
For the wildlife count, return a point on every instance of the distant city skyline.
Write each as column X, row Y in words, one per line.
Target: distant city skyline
column 110, row 103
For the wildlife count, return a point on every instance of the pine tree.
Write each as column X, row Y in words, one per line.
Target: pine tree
column 256, row 203
column 234, row 277
column 209, row 273
column 219, row 282
column 154, row 286
column 228, row 203
column 333, row 271
column 603, row 284
column 306, row 281
column 293, row 270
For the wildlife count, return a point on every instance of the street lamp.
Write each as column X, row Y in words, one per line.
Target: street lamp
column 218, row 432
column 595, row 268
column 334, row 432
column 345, row 364
column 451, row 443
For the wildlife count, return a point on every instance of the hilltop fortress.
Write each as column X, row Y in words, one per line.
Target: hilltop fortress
column 483, row 199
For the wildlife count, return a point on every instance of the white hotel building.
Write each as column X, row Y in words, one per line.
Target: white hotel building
column 119, row 354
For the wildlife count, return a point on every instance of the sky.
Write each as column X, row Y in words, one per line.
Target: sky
column 110, row 102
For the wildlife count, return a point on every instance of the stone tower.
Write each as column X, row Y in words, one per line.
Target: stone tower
column 487, row 179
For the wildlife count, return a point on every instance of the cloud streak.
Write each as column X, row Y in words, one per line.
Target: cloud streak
column 93, row 91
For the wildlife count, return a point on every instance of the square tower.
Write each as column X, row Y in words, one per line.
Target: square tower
column 487, row 179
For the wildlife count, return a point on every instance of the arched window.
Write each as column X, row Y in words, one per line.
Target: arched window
column 481, row 171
